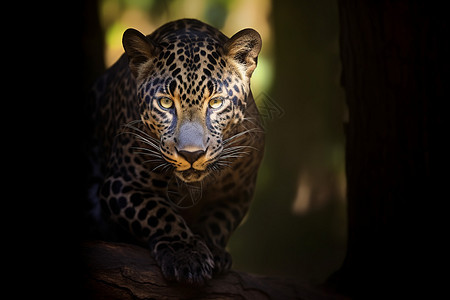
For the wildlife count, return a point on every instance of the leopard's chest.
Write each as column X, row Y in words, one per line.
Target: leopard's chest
column 191, row 199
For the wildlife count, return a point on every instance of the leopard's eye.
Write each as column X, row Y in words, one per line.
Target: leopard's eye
column 165, row 102
column 215, row 103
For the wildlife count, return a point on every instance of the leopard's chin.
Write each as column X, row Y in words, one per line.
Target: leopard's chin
column 191, row 175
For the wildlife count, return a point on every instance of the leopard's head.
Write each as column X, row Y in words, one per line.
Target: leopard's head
column 192, row 84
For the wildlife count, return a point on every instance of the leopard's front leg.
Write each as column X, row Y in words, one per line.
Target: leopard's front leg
column 182, row 255
column 216, row 224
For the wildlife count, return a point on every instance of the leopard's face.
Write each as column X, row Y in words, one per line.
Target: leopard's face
column 191, row 120
column 192, row 95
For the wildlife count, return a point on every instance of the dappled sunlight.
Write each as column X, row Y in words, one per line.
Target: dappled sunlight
column 315, row 192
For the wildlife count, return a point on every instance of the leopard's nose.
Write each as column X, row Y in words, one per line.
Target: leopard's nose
column 191, row 156
column 191, row 141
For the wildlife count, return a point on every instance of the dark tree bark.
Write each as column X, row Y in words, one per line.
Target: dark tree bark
column 394, row 68
column 123, row 271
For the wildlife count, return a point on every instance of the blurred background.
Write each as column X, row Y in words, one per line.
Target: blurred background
column 297, row 223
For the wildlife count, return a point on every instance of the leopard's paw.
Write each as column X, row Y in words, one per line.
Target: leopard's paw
column 185, row 262
column 222, row 259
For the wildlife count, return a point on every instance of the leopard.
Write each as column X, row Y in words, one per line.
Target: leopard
column 176, row 144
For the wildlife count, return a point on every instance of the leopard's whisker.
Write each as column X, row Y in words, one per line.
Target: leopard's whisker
column 146, row 150
column 166, row 168
column 129, row 125
column 142, row 136
column 232, row 156
column 163, row 165
column 253, row 121
column 240, row 134
column 237, row 148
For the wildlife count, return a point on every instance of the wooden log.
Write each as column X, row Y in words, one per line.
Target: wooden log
column 124, row 271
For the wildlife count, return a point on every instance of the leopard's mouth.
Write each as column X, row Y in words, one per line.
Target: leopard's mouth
column 191, row 175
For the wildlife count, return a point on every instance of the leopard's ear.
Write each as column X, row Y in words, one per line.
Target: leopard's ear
column 138, row 48
column 243, row 48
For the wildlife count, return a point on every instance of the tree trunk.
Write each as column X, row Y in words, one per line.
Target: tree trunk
column 124, row 271
column 394, row 65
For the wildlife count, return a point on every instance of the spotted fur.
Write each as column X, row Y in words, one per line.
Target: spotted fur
column 177, row 143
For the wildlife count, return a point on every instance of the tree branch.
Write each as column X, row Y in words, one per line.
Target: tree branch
column 123, row 271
